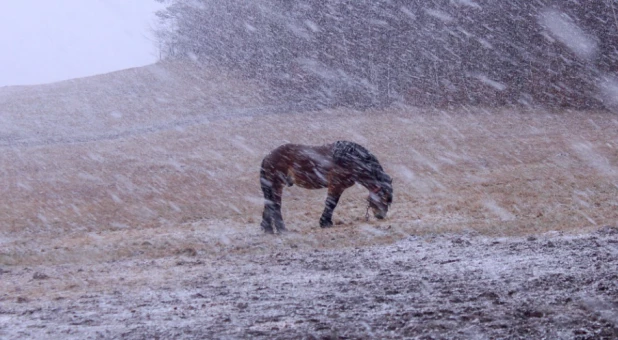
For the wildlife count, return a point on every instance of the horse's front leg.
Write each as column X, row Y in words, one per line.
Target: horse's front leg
column 331, row 203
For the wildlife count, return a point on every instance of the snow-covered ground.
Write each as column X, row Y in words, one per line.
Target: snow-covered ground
column 131, row 207
column 455, row 286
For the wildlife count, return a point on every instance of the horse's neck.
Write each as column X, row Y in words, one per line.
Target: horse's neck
column 368, row 180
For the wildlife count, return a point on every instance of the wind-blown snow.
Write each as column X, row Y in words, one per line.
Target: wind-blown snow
column 567, row 32
column 134, row 209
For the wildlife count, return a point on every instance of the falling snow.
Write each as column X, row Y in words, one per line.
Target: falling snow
column 131, row 201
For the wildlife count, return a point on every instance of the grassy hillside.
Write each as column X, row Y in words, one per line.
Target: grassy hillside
column 103, row 167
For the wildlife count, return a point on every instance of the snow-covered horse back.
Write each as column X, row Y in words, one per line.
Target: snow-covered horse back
column 334, row 166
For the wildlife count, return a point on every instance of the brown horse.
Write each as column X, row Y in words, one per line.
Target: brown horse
column 334, row 166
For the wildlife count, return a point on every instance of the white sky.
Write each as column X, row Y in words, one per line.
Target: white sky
column 43, row 41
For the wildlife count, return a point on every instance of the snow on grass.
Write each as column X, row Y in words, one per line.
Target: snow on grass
column 170, row 180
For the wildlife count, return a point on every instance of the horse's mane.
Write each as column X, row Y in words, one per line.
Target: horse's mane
column 351, row 154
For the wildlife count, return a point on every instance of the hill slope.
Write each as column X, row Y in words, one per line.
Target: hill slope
column 120, row 102
column 172, row 143
column 139, row 190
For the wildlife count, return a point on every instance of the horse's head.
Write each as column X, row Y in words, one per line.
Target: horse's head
column 381, row 196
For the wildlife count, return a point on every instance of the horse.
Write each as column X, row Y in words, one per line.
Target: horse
column 335, row 166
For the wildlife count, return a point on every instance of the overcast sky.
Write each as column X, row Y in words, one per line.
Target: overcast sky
column 43, row 41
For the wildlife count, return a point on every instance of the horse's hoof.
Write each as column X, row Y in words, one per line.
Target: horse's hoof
column 282, row 230
column 326, row 224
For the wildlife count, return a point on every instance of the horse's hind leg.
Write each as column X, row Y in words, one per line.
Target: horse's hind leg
column 272, row 207
column 276, row 212
column 267, row 218
column 269, row 205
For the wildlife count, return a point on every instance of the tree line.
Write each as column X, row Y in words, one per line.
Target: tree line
column 368, row 53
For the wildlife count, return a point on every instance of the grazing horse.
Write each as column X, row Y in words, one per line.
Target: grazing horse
column 334, row 166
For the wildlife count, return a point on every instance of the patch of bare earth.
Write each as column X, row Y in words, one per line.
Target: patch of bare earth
column 142, row 227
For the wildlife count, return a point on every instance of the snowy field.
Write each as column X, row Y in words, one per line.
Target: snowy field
column 131, row 206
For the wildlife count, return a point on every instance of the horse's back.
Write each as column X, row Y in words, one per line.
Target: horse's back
column 281, row 155
column 294, row 153
column 305, row 165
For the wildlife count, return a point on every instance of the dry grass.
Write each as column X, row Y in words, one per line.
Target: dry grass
column 194, row 189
